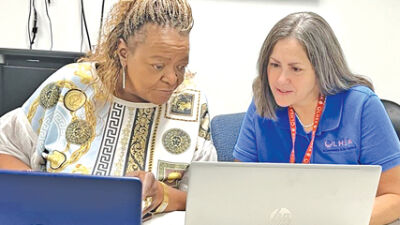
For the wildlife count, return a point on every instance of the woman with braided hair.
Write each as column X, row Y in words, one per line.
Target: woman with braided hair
column 129, row 108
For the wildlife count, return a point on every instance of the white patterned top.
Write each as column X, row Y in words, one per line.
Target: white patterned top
column 67, row 126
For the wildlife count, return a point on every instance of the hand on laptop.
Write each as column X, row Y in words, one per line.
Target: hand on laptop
column 152, row 190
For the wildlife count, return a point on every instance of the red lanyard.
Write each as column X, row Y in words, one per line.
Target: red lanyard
column 292, row 122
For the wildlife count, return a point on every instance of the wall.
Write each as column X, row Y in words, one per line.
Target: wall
column 227, row 36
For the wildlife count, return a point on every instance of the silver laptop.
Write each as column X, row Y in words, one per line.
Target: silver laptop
column 280, row 194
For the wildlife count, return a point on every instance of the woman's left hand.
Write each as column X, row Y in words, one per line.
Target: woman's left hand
column 151, row 189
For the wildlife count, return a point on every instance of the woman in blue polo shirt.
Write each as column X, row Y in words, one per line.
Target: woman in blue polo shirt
column 309, row 108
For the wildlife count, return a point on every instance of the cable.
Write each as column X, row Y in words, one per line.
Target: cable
column 86, row 28
column 101, row 20
column 34, row 28
column 29, row 22
column 81, row 33
column 50, row 25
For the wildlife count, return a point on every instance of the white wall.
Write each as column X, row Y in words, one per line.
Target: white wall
column 228, row 34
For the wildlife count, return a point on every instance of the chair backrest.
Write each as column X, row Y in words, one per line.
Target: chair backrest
column 225, row 130
column 393, row 110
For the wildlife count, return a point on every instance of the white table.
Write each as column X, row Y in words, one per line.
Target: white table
column 171, row 218
column 178, row 218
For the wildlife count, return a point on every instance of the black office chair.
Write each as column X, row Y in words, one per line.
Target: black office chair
column 393, row 110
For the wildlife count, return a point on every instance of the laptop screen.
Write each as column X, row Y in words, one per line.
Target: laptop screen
column 47, row 198
column 280, row 194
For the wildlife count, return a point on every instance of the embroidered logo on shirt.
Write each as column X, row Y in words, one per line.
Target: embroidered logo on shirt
column 338, row 144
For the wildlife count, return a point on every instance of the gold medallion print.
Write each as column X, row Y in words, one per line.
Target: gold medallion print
column 49, row 95
column 74, row 99
column 78, row 132
column 56, row 159
column 176, row 141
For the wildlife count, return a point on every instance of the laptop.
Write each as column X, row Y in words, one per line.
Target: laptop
column 280, row 194
column 37, row 198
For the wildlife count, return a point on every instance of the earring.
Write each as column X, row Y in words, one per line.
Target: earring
column 123, row 78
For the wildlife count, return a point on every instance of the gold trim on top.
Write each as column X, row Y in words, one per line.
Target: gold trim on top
column 153, row 138
column 140, row 136
column 33, row 109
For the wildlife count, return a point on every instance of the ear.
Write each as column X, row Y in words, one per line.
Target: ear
column 122, row 52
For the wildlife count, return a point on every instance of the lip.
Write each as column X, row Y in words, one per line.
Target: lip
column 168, row 91
column 283, row 92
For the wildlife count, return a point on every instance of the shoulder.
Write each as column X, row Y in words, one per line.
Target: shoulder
column 188, row 84
column 252, row 116
column 358, row 96
column 360, row 101
column 359, row 91
column 80, row 74
column 75, row 76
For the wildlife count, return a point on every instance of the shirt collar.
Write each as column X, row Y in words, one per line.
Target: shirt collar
column 330, row 119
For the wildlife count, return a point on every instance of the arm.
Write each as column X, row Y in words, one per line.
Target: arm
column 17, row 141
column 387, row 203
column 380, row 146
column 12, row 163
column 154, row 188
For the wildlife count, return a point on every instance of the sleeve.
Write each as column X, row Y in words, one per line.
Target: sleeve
column 17, row 137
column 205, row 150
column 245, row 149
column 379, row 142
column 23, row 131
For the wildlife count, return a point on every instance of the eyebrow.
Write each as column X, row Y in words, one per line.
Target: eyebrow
column 159, row 57
column 168, row 58
column 290, row 64
column 274, row 59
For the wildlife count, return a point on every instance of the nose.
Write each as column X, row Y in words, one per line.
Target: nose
column 283, row 77
column 170, row 77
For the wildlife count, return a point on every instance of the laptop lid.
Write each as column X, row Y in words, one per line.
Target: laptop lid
column 280, row 194
column 67, row 199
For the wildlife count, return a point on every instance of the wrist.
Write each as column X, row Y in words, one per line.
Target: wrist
column 165, row 200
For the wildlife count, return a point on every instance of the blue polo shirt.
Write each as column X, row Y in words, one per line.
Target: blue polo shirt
column 354, row 129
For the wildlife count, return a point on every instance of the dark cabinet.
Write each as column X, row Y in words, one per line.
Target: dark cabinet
column 22, row 71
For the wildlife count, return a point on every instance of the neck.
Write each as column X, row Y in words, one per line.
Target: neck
column 122, row 93
column 305, row 112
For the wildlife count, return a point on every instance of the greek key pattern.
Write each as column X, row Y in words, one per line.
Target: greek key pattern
column 108, row 145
